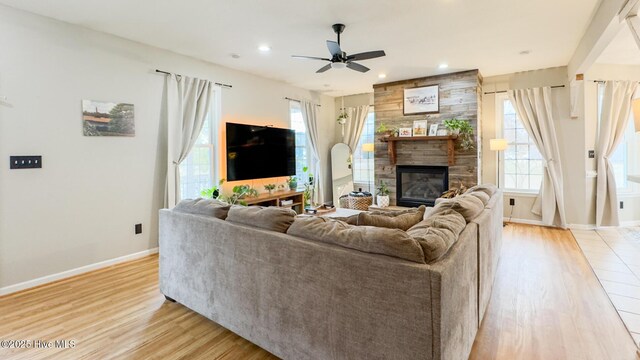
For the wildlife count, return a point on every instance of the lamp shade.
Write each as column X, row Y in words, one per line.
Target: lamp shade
column 498, row 144
column 368, row 147
column 636, row 113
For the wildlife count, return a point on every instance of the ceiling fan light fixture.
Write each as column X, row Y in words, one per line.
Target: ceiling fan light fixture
column 338, row 65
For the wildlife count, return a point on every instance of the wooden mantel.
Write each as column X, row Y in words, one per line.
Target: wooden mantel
column 451, row 145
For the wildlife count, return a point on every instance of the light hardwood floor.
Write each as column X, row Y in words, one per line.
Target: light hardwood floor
column 546, row 304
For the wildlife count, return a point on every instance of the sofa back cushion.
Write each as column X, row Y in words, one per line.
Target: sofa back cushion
column 437, row 233
column 402, row 219
column 481, row 195
column 269, row 218
column 207, row 207
column 489, row 189
column 466, row 205
column 369, row 239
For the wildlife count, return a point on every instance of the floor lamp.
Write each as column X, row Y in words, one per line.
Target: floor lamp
column 498, row 145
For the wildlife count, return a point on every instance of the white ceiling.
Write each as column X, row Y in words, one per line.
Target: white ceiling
column 623, row 50
column 417, row 35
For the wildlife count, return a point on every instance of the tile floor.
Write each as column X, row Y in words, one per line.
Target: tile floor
column 614, row 255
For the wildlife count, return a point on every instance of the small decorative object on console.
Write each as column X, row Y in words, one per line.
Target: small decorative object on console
column 405, row 132
column 433, row 130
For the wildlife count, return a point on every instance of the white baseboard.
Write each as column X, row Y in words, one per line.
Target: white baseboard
column 522, row 221
column 630, row 223
column 77, row 271
column 582, row 226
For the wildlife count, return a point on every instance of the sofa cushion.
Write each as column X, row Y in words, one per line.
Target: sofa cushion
column 437, row 233
column 489, row 189
column 482, row 196
column 351, row 220
column 208, row 207
column 402, row 219
column 269, row 218
column 369, row 239
column 466, row 205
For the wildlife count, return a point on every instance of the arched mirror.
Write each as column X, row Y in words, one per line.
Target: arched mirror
column 342, row 174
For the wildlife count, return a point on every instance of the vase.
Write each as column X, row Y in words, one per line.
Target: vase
column 382, row 200
column 293, row 185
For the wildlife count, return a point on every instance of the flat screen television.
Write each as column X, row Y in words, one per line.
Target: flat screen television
column 255, row 152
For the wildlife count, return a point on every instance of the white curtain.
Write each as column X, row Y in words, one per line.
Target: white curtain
column 614, row 117
column 534, row 107
column 310, row 118
column 187, row 104
column 355, row 124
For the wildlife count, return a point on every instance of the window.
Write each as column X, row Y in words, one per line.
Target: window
column 624, row 159
column 522, row 166
column 198, row 170
column 297, row 124
column 363, row 164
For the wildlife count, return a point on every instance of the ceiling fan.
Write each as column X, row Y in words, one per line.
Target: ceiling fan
column 339, row 59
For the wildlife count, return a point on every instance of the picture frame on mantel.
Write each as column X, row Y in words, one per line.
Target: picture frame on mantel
column 422, row 100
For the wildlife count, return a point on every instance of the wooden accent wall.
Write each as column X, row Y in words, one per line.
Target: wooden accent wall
column 460, row 97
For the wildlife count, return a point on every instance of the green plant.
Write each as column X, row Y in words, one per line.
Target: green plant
column 465, row 130
column 308, row 187
column 382, row 189
column 270, row 187
column 342, row 118
column 383, row 129
column 238, row 193
column 213, row 192
column 293, row 182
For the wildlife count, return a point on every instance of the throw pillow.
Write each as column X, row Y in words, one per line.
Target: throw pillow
column 403, row 219
column 369, row 239
column 207, row 207
column 269, row 218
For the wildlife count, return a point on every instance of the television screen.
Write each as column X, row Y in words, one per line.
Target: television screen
column 255, row 152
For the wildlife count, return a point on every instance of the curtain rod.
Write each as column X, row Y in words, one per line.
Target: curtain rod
column 504, row 91
column 296, row 100
column 219, row 84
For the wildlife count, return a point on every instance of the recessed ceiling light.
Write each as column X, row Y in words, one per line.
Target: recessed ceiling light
column 382, row 76
column 264, row 48
column 525, row 52
column 443, row 66
column 235, row 56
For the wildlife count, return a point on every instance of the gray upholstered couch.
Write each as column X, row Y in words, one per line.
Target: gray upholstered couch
column 307, row 299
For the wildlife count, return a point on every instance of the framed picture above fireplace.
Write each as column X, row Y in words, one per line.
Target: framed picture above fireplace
column 422, row 100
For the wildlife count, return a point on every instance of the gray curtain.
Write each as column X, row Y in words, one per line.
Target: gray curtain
column 355, row 124
column 534, row 107
column 187, row 104
column 310, row 118
column 614, row 117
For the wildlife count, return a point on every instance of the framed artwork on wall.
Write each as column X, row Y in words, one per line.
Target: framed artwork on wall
column 422, row 100
column 420, row 128
column 404, row 132
column 102, row 118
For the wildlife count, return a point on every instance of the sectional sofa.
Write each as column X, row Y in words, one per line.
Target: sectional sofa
column 318, row 288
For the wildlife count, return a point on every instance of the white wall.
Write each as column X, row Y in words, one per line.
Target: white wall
column 570, row 136
column 80, row 208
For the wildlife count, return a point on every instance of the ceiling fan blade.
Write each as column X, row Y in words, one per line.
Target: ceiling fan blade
column 334, row 48
column 357, row 67
column 366, row 55
column 310, row 57
column 324, row 68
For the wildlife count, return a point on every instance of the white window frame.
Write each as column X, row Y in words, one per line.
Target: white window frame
column 214, row 128
column 371, row 181
column 499, row 114
column 307, row 147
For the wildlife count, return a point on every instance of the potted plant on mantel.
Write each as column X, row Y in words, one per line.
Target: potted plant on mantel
column 382, row 195
column 463, row 129
column 387, row 132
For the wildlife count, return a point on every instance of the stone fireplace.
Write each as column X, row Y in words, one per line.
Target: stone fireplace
column 420, row 185
column 459, row 97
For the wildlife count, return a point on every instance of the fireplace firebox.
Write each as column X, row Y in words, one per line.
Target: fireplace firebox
column 420, row 185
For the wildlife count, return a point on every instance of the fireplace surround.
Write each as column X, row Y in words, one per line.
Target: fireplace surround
column 420, row 185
